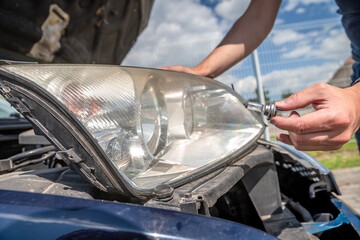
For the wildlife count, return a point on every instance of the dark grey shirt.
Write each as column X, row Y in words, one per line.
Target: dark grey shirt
column 350, row 11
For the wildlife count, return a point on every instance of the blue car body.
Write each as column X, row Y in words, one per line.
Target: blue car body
column 42, row 216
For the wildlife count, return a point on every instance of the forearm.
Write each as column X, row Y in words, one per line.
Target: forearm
column 245, row 35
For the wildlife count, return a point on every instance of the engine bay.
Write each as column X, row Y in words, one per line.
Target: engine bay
column 266, row 188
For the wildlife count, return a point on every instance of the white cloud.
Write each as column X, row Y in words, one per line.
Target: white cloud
column 292, row 4
column 330, row 45
column 179, row 32
column 184, row 32
column 232, row 9
column 300, row 10
column 279, row 21
column 279, row 81
column 298, row 78
column 301, row 51
column 285, row 36
column 244, row 85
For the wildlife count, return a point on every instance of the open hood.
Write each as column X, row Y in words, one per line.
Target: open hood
column 71, row 31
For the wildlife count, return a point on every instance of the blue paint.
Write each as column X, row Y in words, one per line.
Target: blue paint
column 40, row 216
column 346, row 216
column 354, row 219
column 316, row 227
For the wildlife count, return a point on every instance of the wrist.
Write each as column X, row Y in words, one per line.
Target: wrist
column 203, row 69
column 354, row 93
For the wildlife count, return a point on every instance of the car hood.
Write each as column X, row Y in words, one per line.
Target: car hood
column 40, row 216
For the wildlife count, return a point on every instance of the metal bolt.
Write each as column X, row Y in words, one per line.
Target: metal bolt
column 163, row 192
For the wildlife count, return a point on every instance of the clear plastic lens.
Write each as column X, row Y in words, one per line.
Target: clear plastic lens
column 155, row 126
column 150, row 119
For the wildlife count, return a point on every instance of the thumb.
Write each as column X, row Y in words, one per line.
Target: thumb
column 300, row 99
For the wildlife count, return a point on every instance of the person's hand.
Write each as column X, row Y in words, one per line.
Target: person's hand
column 336, row 119
column 179, row 68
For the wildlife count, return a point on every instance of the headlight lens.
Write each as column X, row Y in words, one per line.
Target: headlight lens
column 155, row 126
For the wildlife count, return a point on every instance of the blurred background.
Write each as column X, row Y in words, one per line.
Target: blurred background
column 307, row 45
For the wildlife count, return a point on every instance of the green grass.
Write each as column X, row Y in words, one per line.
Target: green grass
column 341, row 161
column 347, row 156
column 349, row 146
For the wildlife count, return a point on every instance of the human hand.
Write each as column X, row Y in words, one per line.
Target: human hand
column 336, row 119
column 179, row 68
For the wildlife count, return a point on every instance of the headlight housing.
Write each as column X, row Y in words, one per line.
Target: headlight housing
column 150, row 126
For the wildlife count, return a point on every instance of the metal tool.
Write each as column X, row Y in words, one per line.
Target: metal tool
column 269, row 110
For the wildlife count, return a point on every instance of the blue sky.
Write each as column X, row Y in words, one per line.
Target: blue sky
column 297, row 11
column 306, row 45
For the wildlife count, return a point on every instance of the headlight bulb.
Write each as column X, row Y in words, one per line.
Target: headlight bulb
column 269, row 110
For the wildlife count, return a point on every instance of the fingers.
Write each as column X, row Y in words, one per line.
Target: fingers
column 307, row 147
column 303, row 98
column 319, row 121
column 315, row 146
column 284, row 138
column 179, row 68
column 328, row 128
column 314, row 131
column 328, row 140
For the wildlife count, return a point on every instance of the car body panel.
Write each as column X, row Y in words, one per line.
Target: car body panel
column 41, row 216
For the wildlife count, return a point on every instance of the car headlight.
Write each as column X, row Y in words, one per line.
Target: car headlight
column 154, row 126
